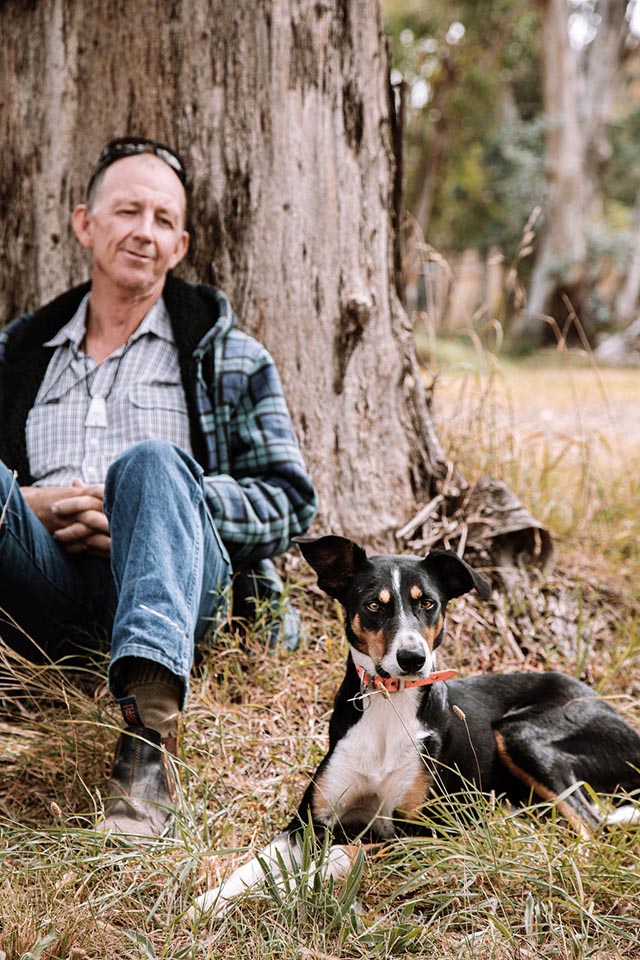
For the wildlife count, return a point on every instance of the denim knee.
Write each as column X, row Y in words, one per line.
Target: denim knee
column 152, row 459
column 155, row 454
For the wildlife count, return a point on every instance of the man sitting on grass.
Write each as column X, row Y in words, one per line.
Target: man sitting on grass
column 147, row 454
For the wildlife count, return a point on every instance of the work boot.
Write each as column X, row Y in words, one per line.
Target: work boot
column 141, row 790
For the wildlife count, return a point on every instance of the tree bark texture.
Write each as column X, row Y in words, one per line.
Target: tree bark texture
column 282, row 111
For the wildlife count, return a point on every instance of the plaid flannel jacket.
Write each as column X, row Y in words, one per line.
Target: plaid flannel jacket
column 256, row 484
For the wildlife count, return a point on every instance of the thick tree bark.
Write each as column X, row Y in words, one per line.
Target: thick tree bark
column 282, row 111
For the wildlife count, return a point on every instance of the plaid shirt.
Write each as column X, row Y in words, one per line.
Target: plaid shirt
column 144, row 399
column 257, row 488
column 256, row 485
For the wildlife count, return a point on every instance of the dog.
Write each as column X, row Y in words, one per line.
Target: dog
column 402, row 732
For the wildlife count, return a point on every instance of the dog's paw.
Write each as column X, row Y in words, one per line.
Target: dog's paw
column 281, row 854
column 210, row 906
column 217, row 902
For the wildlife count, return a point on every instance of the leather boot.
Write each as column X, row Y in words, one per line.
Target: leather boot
column 141, row 791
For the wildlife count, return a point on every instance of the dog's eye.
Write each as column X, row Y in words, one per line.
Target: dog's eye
column 426, row 603
column 373, row 607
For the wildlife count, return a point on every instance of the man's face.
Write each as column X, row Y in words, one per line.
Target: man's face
column 135, row 225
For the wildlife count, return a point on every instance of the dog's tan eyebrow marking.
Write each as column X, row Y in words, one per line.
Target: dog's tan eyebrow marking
column 385, row 595
column 415, row 592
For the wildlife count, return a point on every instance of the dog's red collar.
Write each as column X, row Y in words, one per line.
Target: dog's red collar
column 394, row 684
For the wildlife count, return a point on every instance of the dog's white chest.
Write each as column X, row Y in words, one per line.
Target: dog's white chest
column 376, row 768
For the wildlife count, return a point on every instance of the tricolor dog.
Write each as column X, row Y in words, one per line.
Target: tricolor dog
column 402, row 732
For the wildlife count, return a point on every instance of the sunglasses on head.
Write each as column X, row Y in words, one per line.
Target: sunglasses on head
column 131, row 147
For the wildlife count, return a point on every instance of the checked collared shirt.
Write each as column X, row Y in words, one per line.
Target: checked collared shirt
column 142, row 391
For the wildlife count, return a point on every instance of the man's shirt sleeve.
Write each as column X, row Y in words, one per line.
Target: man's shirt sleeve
column 264, row 497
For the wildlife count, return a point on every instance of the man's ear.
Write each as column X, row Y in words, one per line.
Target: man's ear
column 181, row 249
column 335, row 560
column 453, row 575
column 80, row 219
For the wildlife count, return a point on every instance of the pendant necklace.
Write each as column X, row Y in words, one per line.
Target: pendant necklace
column 97, row 412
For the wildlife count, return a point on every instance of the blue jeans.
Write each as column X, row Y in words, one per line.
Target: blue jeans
column 167, row 575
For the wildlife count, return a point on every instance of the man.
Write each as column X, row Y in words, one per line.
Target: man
column 147, row 454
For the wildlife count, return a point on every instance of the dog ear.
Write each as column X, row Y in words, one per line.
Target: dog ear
column 453, row 575
column 334, row 559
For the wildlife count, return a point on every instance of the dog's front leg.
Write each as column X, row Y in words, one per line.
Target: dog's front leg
column 280, row 853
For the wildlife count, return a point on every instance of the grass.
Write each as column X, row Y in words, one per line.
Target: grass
column 500, row 884
column 561, row 432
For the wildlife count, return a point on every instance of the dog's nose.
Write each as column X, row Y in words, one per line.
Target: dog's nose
column 410, row 660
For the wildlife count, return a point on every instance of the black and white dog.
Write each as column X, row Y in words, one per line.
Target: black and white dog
column 401, row 732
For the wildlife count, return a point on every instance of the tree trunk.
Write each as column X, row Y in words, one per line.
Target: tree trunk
column 429, row 166
column 579, row 93
column 561, row 259
column 603, row 59
column 282, row 110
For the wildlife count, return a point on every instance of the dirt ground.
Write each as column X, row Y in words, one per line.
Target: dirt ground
column 598, row 409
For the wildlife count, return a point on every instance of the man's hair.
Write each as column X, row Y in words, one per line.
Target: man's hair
column 94, row 187
column 132, row 147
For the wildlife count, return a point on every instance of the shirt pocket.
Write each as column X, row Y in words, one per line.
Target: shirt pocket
column 54, row 436
column 157, row 411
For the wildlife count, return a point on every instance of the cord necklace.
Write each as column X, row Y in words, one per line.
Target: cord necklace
column 97, row 411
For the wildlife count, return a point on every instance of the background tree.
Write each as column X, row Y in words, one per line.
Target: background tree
column 517, row 105
column 474, row 154
column 622, row 187
column 581, row 79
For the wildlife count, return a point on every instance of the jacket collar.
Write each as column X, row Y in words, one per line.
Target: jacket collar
column 196, row 311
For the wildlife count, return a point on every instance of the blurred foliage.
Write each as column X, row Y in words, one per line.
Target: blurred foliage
column 474, row 120
column 473, row 76
column 622, row 177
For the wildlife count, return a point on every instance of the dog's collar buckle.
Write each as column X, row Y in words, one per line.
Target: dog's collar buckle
column 397, row 684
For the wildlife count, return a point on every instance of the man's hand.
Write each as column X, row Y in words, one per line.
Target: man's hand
column 73, row 515
column 85, row 528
